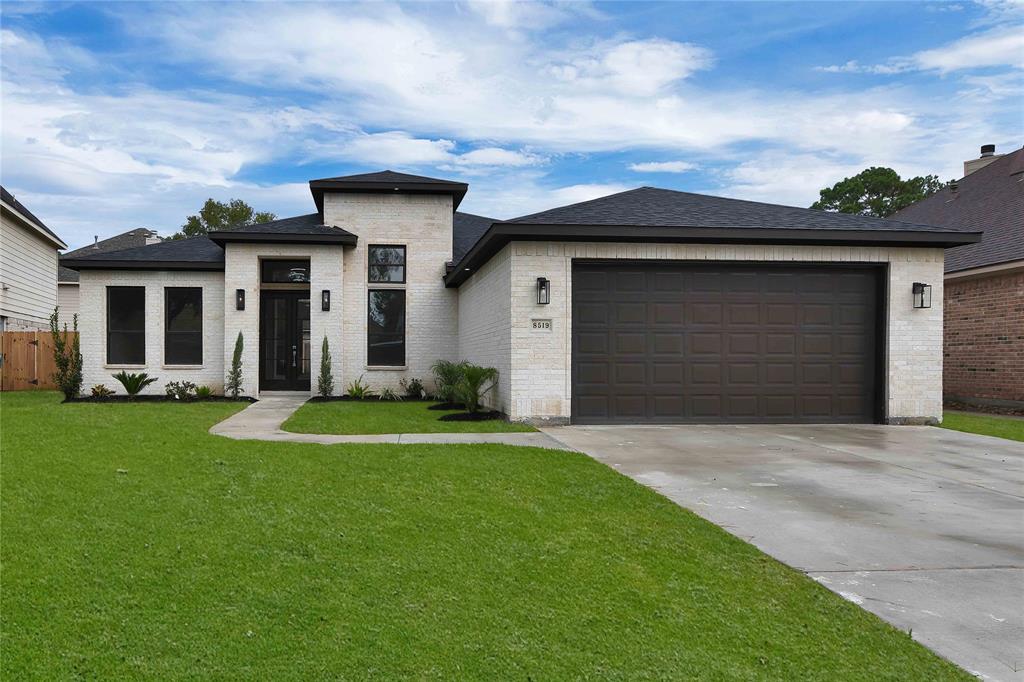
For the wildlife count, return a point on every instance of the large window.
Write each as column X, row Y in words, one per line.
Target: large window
column 386, row 328
column 183, row 328
column 387, row 264
column 126, row 325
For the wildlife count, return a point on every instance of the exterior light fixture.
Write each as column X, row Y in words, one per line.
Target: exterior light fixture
column 922, row 295
column 239, row 299
column 543, row 291
column 325, row 300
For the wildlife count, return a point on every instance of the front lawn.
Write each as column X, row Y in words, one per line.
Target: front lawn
column 136, row 545
column 984, row 424
column 382, row 416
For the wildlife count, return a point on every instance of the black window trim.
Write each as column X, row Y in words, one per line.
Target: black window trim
column 405, row 326
column 106, row 336
column 202, row 329
column 370, row 263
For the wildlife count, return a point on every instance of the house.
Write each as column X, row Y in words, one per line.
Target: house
column 984, row 282
column 67, row 279
column 648, row 305
column 28, row 267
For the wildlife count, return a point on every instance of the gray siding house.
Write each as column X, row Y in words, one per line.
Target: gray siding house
column 647, row 306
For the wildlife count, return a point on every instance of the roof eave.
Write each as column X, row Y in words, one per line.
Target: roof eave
column 80, row 264
column 501, row 234
column 31, row 224
column 223, row 237
column 457, row 191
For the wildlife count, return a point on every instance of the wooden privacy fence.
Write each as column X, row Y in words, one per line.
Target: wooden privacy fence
column 27, row 361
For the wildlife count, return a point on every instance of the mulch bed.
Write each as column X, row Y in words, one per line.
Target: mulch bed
column 159, row 399
column 471, row 416
column 987, row 409
column 447, row 406
column 371, row 399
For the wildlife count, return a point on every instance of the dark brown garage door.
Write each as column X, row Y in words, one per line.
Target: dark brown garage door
column 670, row 342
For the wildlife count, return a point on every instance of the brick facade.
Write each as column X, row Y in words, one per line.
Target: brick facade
column 984, row 339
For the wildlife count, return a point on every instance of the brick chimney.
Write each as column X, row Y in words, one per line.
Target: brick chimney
column 988, row 155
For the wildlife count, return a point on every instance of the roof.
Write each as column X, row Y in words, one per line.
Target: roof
column 649, row 214
column 126, row 240
column 466, row 231
column 30, row 217
column 308, row 229
column 990, row 199
column 192, row 253
column 387, row 181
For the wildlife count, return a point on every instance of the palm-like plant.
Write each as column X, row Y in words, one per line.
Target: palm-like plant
column 448, row 376
column 476, row 382
column 133, row 383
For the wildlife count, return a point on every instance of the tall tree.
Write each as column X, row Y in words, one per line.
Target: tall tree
column 217, row 215
column 878, row 192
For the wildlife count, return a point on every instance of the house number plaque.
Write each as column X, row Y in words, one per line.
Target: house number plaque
column 541, row 325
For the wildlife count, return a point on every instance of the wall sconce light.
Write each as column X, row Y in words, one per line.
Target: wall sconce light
column 325, row 300
column 239, row 299
column 922, row 295
column 543, row 291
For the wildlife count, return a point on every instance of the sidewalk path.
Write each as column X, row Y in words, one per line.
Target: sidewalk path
column 263, row 419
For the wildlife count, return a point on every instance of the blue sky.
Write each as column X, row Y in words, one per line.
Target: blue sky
column 128, row 115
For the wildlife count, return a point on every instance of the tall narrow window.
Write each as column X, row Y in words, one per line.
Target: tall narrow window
column 183, row 328
column 386, row 264
column 386, row 328
column 126, row 325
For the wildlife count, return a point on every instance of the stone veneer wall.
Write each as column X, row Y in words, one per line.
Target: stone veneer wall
column 984, row 339
column 541, row 360
column 92, row 326
column 485, row 336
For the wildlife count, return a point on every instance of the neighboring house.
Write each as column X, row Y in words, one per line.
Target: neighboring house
column 644, row 306
column 28, row 267
column 67, row 279
column 984, row 315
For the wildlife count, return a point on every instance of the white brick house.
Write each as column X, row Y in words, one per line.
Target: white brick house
column 644, row 306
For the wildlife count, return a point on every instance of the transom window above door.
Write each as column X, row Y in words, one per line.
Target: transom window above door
column 294, row 271
column 386, row 264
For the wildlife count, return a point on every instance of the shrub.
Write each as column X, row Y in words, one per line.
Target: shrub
column 413, row 388
column 233, row 386
column 101, row 391
column 67, row 357
column 357, row 389
column 181, row 390
column 476, row 382
column 448, row 376
column 325, row 382
column 389, row 394
column 133, row 383
column 204, row 392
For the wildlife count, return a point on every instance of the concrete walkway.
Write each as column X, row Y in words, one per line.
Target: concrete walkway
column 263, row 419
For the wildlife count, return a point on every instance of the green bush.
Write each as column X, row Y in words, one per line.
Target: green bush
column 67, row 356
column 233, row 386
column 101, row 391
column 387, row 393
column 181, row 390
column 475, row 383
column 133, row 383
column 448, row 377
column 204, row 392
column 325, row 382
column 413, row 388
column 358, row 390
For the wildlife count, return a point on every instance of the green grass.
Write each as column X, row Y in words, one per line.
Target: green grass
column 136, row 545
column 378, row 416
column 985, row 424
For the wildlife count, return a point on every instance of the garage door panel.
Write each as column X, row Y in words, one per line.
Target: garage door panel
column 683, row 342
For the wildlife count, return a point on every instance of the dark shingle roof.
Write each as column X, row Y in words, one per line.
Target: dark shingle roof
column 193, row 253
column 466, row 231
column 387, row 181
column 654, row 207
column 126, row 240
column 9, row 199
column 990, row 199
column 307, row 228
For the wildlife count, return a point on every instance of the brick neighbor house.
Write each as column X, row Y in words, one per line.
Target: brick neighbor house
column 984, row 282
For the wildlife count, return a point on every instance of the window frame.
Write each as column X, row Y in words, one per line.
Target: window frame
column 370, row 264
column 405, row 326
column 110, row 362
column 167, row 328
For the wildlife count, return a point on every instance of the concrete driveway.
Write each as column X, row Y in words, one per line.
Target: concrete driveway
column 922, row 526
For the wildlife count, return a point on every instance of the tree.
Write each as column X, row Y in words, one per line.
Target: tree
column 877, row 192
column 67, row 356
column 325, row 382
column 233, row 386
column 216, row 215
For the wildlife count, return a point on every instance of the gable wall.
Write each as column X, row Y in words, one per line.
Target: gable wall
column 28, row 276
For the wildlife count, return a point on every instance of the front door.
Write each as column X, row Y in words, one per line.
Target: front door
column 284, row 340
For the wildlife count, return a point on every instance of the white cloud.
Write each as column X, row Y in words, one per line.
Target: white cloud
column 397, row 148
column 662, row 167
column 637, row 67
column 521, row 14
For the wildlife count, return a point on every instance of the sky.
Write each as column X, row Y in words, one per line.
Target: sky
column 124, row 115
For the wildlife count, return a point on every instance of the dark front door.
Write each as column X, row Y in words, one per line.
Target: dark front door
column 284, row 341
column 671, row 342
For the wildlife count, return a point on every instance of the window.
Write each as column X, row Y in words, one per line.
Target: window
column 183, row 328
column 126, row 325
column 386, row 328
column 284, row 271
column 387, row 264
